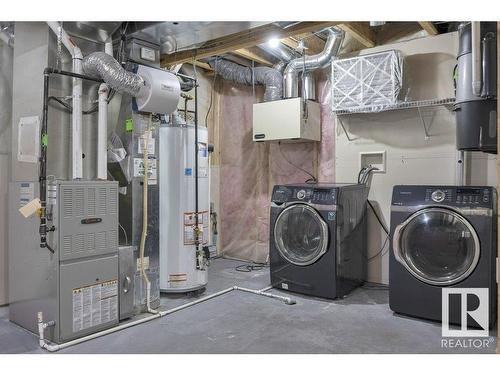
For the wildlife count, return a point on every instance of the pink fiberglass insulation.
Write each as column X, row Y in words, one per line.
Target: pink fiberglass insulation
column 249, row 170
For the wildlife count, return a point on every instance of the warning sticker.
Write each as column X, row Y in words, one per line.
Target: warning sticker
column 95, row 304
column 202, row 160
column 190, row 226
column 151, row 144
column 139, row 170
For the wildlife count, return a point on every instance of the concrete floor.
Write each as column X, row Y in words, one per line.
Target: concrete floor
column 240, row 322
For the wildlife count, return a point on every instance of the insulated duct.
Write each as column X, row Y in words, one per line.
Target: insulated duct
column 102, row 65
column 269, row 77
column 309, row 63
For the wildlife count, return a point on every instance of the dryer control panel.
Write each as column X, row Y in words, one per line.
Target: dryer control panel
column 459, row 196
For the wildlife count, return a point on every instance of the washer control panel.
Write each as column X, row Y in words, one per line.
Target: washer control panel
column 314, row 195
column 473, row 196
column 438, row 196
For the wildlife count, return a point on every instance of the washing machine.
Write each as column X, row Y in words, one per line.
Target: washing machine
column 441, row 236
column 318, row 238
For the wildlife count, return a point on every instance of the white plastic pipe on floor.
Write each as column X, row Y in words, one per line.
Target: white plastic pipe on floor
column 77, row 114
column 55, row 347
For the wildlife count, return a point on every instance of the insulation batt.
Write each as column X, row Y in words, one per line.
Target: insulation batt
column 104, row 66
column 271, row 78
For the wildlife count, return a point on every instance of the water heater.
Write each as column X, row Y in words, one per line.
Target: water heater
column 179, row 267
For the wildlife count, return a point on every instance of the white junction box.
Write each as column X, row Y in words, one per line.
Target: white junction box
column 290, row 120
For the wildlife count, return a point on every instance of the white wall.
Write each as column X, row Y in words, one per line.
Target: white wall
column 411, row 159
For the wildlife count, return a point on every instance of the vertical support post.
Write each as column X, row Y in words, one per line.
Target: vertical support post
column 498, row 177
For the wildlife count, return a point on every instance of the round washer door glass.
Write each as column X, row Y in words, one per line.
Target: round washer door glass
column 438, row 246
column 300, row 234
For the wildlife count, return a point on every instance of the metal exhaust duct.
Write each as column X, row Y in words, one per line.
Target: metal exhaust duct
column 310, row 63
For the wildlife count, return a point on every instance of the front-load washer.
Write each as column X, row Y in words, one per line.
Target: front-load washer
column 442, row 236
column 318, row 238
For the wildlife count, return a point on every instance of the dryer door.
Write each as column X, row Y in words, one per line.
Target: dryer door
column 437, row 245
column 300, row 234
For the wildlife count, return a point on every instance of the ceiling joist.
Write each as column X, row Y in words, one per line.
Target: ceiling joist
column 252, row 55
column 360, row 31
column 429, row 27
column 242, row 40
column 313, row 43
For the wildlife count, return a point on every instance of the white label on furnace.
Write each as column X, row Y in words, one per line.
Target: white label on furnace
column 151, row 145
column 139, row 170
column 95, row 304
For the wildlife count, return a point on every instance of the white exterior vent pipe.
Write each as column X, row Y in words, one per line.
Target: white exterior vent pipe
column 307, row 64
column 77, row 114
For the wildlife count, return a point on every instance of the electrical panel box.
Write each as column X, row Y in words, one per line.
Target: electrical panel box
column 288, row 120
column 76, row 285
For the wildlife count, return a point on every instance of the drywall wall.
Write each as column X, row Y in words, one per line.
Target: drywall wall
column 411, row 157
column 6, row 58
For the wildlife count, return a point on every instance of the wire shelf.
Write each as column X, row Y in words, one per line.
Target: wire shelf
column 446, row 102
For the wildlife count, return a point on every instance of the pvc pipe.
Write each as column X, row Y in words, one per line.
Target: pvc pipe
column 65, row 39
column 476, row 59
column 102, row 124
column 77, row 117
column 77, row 114
column 287, row 300
column 102, row 133
column 55, row 347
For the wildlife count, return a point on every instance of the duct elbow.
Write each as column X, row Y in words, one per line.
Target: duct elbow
column 308, row 64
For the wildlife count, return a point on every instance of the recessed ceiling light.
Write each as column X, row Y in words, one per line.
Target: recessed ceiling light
column 274, row 42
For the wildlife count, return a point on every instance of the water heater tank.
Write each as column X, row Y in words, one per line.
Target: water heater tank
column 178, row 266
column 477, row 115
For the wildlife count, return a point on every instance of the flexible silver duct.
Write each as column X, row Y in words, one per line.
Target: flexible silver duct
column 310, row 63
column 102, row 65
column 269, row 77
